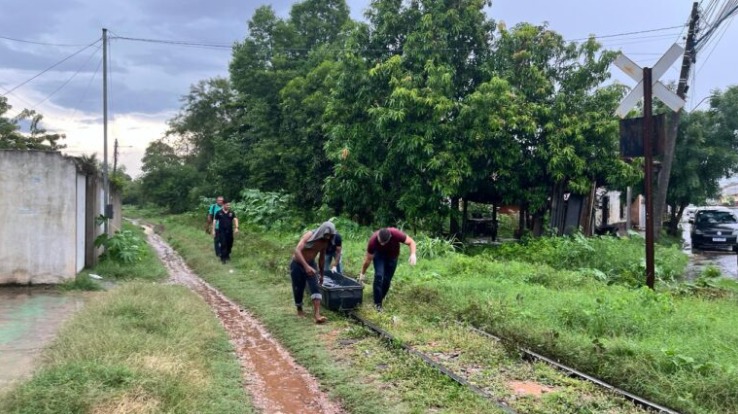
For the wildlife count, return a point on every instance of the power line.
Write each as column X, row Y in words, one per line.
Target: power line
column 87, row 88
column 230, row 46
column 70, row 78
column 681, row 26
column 174, row 42
column 33, row 42
column 51, row 67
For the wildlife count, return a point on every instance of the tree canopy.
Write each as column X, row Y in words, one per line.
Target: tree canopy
column 398, row 118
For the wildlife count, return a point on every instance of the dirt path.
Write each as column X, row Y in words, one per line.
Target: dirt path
column 273, row 378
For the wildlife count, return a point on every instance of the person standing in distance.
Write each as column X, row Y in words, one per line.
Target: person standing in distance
column 227, row 224
column 209, row 228
column 383, row 250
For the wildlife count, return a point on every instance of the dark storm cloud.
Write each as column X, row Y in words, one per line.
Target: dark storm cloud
column 147, row 77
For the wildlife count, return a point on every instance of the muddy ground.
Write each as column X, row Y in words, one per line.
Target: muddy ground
column 275, row 381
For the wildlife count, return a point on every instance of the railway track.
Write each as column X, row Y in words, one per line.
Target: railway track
column 527, row 355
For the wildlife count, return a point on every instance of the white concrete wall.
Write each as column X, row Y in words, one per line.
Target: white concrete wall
column 38, row 210
column 81, row 197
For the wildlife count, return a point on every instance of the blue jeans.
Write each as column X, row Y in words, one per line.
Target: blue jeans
column 329, row 259
column 300, row 278
column 384, row 270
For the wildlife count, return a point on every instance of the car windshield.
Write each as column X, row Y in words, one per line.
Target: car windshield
column 715, row 217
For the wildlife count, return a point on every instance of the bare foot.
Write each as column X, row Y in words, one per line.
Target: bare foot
column 320, row 319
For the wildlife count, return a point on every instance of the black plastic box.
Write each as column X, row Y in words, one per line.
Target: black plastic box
column 340, row 293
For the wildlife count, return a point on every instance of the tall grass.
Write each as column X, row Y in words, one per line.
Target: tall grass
column 138, row 348
column 670, row 345
column 353, row 365
column 616, row 260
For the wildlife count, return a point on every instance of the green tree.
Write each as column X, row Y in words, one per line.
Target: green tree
column 280, row 72
column 706, row 151
column 36, row 137
column 166, row 180
column 573, row 143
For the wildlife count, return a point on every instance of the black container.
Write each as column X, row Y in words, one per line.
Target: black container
column 340, row 293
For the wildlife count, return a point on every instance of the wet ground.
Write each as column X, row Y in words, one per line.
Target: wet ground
column 275, row 381
column 725, row 260
column 30, row 317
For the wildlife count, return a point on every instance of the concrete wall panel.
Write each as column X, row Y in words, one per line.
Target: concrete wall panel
column 38, row 211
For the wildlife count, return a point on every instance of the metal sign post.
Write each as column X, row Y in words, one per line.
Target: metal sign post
column 648, row 86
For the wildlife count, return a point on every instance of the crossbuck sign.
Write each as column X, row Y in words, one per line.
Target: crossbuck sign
column 666, row 96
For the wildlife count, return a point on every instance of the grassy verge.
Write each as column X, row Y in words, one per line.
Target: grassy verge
column 141, row 348
column 674, row 346
column 350, row 362
column 352, row 365
column 577, row 304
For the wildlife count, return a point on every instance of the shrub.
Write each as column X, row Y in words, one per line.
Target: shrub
column 123, row 247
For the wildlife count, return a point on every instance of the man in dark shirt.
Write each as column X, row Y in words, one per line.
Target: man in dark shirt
column 333, row 255
column 227, row 225
column 384, row 249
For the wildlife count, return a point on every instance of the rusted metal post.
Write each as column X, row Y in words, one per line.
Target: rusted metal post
column 648, row 154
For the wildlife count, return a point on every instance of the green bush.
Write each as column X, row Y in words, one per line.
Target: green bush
column 609, row 259
column 267, row 210
column 123, row 247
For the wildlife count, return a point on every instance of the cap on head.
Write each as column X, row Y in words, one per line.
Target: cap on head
column 384, row 235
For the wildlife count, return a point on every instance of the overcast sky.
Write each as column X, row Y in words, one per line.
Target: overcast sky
column 147, row 80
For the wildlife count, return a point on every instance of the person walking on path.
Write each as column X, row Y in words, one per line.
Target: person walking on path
column 227, row 224
column 383, row 249
column 212, row 211
column 333, row 255
column 304, row 271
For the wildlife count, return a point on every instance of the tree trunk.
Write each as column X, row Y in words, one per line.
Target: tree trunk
column 521, row 221
column 662, row 182
column 464, row 219
column 494, row 222
column 454, row 225
column 585, row 220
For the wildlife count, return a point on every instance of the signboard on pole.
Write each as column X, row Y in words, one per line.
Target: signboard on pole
column 647, row 87
column 671, row 99
column 631, row 136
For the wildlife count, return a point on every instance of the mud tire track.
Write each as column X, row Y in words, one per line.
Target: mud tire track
column 277, row 384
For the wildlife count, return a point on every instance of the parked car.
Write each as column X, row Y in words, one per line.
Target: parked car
column 714, row 228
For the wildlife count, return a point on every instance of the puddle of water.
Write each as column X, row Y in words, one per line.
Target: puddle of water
column 724, row 260
column 273, row 378
column 30, row 317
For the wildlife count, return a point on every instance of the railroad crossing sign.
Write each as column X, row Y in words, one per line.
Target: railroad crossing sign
column 666, row 96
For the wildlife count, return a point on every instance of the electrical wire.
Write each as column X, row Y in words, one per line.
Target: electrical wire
column 51, row 67
column 715, row 44
column 627, row 36
column 174, row 42
column 681, row 26
column 87, row 88
column 70, row 78
column 12, row 39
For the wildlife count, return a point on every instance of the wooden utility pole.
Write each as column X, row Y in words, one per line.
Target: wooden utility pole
column 673, row 125
column 648, row 155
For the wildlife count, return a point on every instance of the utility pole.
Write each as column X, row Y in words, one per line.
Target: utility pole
column 106, row 182
column 673, row 125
